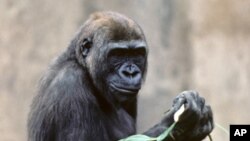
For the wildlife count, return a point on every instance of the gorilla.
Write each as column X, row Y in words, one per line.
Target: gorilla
column 89, row 92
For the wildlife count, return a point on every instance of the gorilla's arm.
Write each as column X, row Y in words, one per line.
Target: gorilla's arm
column 57, row 113
column 194, row 124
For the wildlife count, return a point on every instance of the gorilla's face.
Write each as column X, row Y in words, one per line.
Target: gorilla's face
column 115, row 52
column 126, row 68
column 118, row 67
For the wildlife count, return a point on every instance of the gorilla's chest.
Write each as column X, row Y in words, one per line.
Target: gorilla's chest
column 120, row 125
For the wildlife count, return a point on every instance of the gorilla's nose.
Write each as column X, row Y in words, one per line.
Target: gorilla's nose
column 131, row 73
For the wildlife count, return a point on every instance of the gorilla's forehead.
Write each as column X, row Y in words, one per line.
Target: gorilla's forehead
column 116, row 26
column 127, row 44
column 123, row 31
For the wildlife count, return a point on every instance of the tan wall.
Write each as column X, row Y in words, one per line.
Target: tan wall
column 31, row 33
column 201, row 45
column 220, row 39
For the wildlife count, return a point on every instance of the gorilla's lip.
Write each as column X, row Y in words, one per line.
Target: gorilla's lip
column 125, row 90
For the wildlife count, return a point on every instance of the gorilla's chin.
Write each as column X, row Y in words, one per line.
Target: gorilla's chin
column 123, row 97
column 125, row 89
column 123, row 93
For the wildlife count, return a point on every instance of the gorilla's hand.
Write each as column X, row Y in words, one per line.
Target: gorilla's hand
column 196, row 122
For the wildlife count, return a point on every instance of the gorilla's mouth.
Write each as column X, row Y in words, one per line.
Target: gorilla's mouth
column 127, row 90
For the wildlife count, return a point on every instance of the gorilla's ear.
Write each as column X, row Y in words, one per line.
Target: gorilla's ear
column 85, row 46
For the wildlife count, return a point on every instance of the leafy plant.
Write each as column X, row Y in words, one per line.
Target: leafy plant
column 140, row 137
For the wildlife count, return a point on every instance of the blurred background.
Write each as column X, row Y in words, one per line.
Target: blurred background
column 194, row 44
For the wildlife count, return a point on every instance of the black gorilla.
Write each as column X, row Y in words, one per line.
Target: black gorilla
column 89, row 93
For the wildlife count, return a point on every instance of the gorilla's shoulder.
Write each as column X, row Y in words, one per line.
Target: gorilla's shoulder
column 62, row 79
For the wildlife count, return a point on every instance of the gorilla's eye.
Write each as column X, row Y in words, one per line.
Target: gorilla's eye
column 117, row 52
column 140, row 51
column 121, row 52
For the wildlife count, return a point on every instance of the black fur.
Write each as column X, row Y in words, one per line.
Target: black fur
column 89, row 93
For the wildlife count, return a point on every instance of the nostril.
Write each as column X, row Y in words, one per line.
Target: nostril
column 126, row 73
column 135, row 73
column 130, row 74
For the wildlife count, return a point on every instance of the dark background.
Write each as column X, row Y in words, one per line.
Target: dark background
column 200, row 45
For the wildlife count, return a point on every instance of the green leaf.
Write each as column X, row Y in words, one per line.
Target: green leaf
column 138, row 137
column 166, row 132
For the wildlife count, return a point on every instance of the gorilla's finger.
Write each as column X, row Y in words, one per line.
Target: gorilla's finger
column 178, row 103
column 192, row 108
column 202, row 102
column 204, row 131
column 210, row 117
column 205, row 125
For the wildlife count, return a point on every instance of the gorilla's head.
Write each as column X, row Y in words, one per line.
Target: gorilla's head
column 114, row 51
